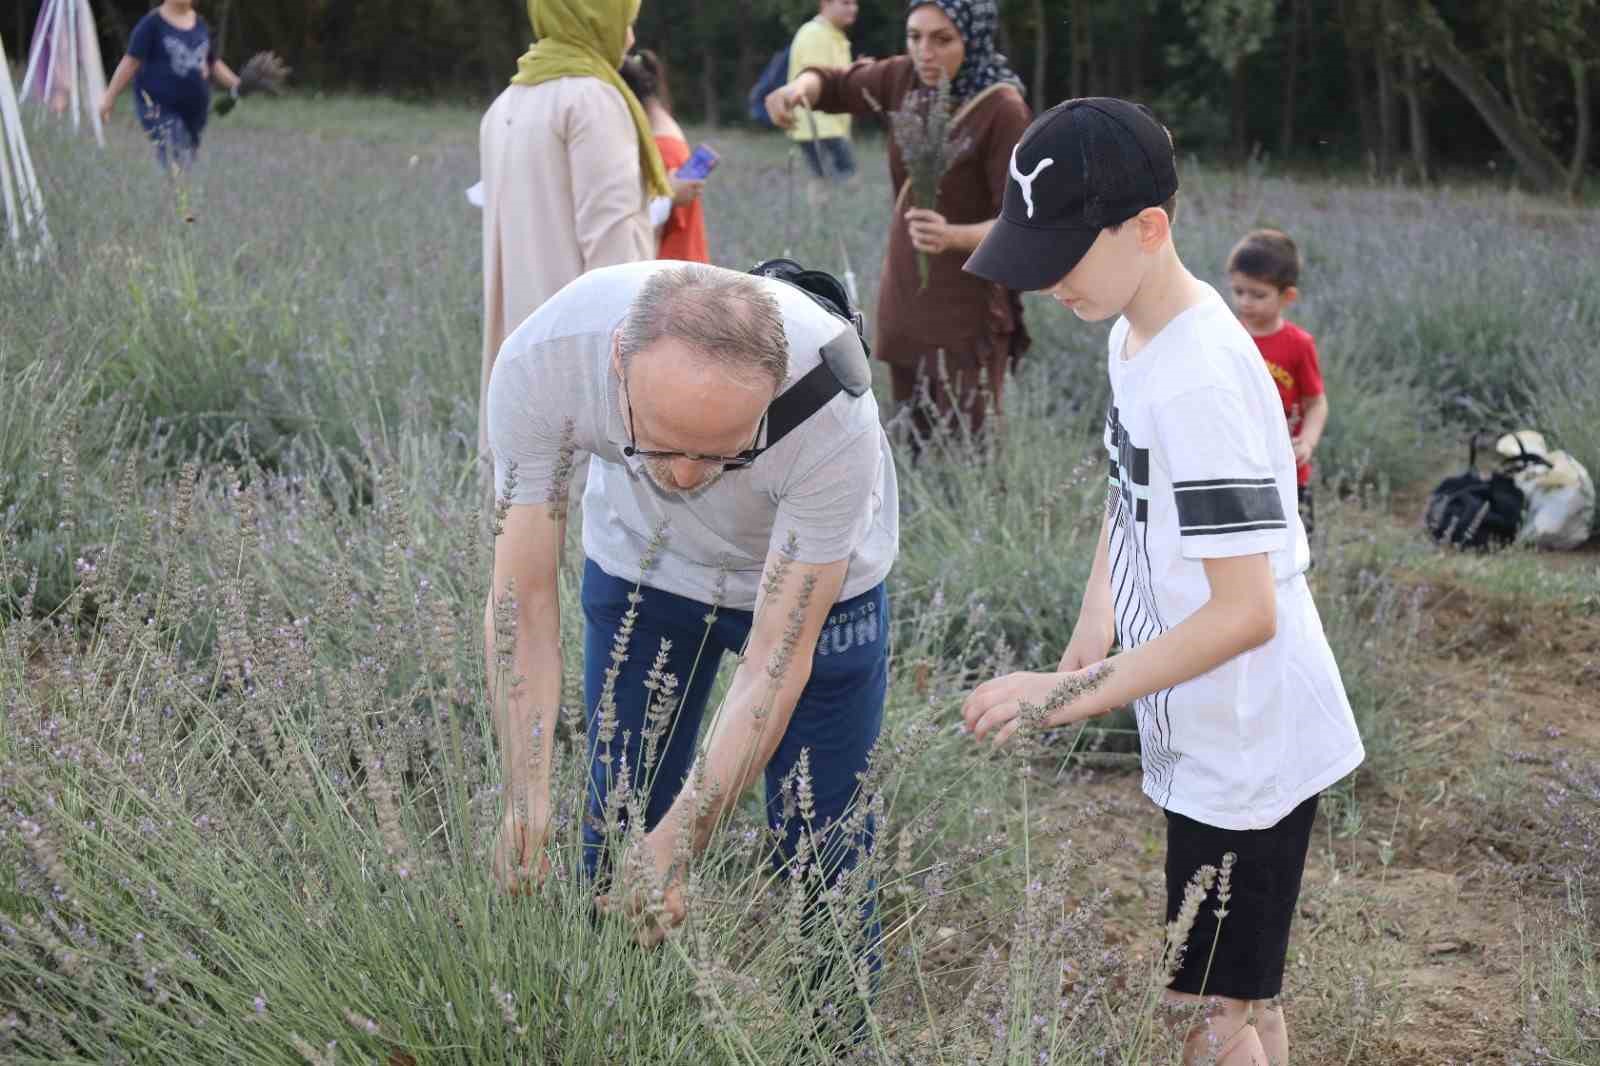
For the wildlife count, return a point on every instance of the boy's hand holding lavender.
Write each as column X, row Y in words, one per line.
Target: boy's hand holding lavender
column 1000, row 707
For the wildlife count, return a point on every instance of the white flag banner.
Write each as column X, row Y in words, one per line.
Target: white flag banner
column 19, row 186
column 65, row 71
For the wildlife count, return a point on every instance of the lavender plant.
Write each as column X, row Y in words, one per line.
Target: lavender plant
column 249, row 830
column 247, row 775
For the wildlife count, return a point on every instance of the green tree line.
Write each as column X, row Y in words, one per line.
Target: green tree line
column 1410, row 87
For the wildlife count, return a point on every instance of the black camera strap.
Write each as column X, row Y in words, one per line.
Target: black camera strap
column 800, row 401
column 843, row 366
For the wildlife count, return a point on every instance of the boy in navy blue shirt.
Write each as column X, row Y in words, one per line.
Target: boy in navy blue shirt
column 171, row 64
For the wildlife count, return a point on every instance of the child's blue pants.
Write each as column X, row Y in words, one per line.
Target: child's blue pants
column 176, row 135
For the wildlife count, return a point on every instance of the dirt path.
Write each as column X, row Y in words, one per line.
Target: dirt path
column 1512, row 695
column 1418, row 893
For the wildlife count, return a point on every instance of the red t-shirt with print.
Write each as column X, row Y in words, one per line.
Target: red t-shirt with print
column 1291, row 357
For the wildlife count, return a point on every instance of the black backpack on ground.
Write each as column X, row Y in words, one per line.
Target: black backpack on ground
column 1473, row 511
column 773, row 76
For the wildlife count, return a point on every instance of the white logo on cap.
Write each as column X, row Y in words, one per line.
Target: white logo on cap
column 1025, row 181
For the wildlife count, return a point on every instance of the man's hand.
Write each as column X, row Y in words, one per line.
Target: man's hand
column 994, row 710
column 519, row 862
column 1302, row 451
column 930, row 233
column 643, row 875
column 686, row 190
column 107, row 104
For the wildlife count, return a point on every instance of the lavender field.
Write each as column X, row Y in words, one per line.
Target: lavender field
column 247, row 780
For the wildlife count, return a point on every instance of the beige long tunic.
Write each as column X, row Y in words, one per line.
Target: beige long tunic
column 563, row 193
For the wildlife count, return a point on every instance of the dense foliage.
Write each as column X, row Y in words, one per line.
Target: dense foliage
column 1395, row 85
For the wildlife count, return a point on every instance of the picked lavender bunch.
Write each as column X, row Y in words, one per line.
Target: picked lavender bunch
column 928, row 145
column 264, row 73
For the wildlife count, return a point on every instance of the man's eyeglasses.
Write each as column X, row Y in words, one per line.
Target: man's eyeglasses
column 728, row 462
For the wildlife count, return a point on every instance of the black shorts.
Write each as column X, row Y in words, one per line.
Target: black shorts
column 1253, row 941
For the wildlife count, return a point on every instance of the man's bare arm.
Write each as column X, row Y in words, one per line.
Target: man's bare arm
column 789, row 617
column 524, row 678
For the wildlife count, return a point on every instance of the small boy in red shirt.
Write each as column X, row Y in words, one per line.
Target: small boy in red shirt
column 1263, row 275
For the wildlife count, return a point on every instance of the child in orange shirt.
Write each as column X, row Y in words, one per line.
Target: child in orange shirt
column 683, row 235
column 1263, row 276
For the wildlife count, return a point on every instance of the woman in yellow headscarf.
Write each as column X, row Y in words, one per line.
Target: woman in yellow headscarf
column 569, row 167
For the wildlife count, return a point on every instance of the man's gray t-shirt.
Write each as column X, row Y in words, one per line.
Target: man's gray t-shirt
column 830, row 482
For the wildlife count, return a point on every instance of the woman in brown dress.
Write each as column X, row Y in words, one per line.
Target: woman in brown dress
column 957, row 336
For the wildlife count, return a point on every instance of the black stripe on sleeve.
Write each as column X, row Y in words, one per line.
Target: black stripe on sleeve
column 1221, row 506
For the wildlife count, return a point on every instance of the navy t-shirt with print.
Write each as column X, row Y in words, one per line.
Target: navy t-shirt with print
column 174, row 66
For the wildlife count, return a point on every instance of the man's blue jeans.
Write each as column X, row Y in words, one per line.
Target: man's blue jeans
column 837, row 717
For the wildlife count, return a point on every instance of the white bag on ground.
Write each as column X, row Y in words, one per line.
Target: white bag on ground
column 1560, row 496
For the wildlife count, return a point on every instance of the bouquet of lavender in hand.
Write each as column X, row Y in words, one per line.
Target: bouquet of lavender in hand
column 264, row 73
column 922, row 130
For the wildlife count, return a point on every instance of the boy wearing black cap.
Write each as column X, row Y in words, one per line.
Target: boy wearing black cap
column 1199, row 572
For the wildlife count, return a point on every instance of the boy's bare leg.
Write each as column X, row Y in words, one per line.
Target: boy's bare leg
column 1221, row 1035
column 1273, row 1031
column 1243, row 1048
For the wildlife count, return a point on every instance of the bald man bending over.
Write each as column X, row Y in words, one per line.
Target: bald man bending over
column 664, row 374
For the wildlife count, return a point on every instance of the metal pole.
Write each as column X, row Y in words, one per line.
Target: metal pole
column 41, row 46
column 788, row 208
column 822, row 164
column 74, row 70
column 91, row 69
column 18, row 183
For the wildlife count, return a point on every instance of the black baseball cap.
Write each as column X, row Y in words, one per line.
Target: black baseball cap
column 1081, row 166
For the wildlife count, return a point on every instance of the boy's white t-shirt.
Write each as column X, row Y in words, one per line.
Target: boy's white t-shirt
column 1202, row 468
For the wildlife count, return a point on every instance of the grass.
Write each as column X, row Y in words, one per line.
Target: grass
column 1562, row 982
column 242, row 685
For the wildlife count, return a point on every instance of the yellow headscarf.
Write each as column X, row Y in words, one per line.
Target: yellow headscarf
column 586, row 39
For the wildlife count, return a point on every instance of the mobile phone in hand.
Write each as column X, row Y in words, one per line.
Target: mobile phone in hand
column 698, row 165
